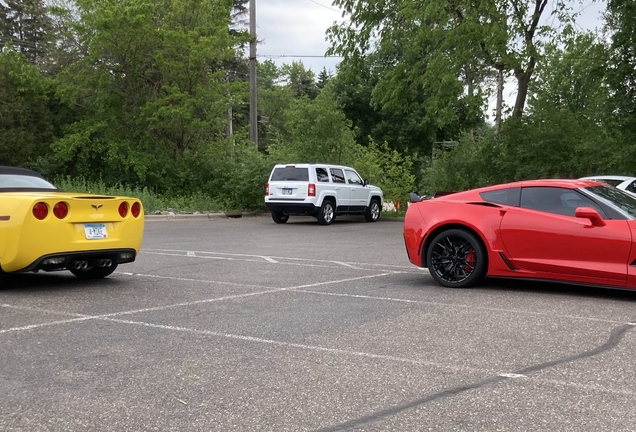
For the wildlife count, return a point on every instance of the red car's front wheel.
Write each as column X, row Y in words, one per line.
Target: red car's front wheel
column 456, row 258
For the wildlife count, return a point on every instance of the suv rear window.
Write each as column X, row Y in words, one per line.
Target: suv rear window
column 290, row 174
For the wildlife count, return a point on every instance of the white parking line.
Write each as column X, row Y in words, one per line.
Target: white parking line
column 301, row 346
column 190, row 279
column 347, row 265
column 46, row 324
column 276, row 259
column 393, row 299
column 82, row 317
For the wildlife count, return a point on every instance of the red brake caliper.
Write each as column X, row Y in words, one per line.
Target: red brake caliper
column 470, row 260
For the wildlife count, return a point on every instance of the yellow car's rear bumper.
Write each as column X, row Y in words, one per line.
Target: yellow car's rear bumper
column 33, row 242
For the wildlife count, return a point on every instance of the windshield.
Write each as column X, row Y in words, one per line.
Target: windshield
column 613, row 182
column 18, row 181
column 616, row 198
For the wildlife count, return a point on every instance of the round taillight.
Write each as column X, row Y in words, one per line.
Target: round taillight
column 123, row 209
column 40, row 211
column 60, row 210
column 135, row 209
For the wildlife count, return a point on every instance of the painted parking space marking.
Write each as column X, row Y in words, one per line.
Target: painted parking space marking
column 392, row 299
column 512, row 375
column 280, row 260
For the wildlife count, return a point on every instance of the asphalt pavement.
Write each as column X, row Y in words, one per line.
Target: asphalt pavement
column 245, row 325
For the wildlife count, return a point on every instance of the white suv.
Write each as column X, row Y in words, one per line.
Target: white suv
column 320, row 190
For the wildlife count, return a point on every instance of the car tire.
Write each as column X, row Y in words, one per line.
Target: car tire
column 280, row 218
column 372, row 213
column 95, row 272
column 327, row 213
column 3, row 279
column 457, row 258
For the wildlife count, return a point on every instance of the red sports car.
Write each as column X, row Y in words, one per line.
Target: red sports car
column 576, row 231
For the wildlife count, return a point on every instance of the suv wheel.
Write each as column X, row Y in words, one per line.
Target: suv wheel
column 372, row 213
column 279, row 218
column 327, row 213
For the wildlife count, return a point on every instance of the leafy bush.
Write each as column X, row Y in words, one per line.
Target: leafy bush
column 150, row 200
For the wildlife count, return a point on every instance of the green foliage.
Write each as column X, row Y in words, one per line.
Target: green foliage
column 621, row 77
column 388, row 169
column 26, row 123
column 25, row 25
column 316, row 131
column 151, row 88
column 238, row 181
column 151, row 200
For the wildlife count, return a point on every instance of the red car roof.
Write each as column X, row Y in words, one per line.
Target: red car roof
column 563, row 183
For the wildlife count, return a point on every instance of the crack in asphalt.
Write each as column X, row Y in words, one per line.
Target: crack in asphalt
column 614, row 339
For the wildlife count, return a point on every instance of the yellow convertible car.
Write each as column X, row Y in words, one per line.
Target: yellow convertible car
column 45, row 229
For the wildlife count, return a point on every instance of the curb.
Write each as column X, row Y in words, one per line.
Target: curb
column 188, row 216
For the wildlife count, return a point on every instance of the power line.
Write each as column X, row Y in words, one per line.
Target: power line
column 326, row 7
column 292, row 55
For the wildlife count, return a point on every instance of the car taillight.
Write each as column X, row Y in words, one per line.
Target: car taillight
column 311, row 190
column 267, row 189
column 40, row 211
column 123, row 209
column 60, row 210
column 135, row 209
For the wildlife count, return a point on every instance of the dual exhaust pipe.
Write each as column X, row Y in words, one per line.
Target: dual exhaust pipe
column 85, row 265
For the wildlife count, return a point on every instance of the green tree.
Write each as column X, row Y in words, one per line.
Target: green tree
column 448, row 47
column 316, row 131
column 152, row 87
column 323, row 78
column 26, row 123
column 621, row 79
column 301, row 81
column 26, row 25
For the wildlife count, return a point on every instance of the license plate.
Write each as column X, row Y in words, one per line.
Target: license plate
column 95, row 231
column 287, row 191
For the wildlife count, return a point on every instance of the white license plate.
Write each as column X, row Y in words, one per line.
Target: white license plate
column 287, row 191
column 95, row 231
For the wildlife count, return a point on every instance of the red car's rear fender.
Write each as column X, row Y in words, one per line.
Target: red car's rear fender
column 432, row 218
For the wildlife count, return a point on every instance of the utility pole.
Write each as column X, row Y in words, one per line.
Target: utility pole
column 253, row 85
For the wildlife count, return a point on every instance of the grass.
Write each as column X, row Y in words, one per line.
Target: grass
column 152, row 202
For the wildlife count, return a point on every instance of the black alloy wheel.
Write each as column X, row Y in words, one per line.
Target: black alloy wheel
column 280, row 218
column 456, row 258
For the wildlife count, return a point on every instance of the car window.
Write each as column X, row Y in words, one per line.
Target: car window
column 322, row 175
column 353, row 177
column 16, row 181
column 616, row 198
column 290, row 173
column 613, row 182
column 508, row 196
column 555, row 200
column 631, row 187
column 337, row 175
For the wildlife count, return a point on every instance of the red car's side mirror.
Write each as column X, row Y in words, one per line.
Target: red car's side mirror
column 591, row 214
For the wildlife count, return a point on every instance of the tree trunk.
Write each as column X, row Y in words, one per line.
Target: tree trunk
column 523, row 80
column 500, row 87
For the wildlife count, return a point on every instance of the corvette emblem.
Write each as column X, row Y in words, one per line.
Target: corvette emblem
column 96, row 206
